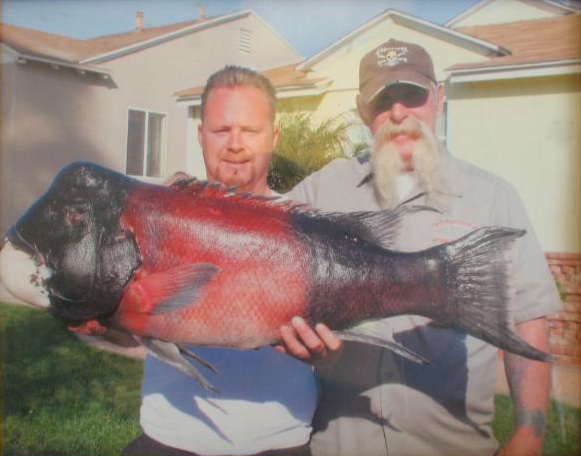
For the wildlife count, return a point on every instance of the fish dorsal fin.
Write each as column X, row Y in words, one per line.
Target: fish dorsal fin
column 176, row 288
column 375, row 227
column 382, row 227
column 221, row 192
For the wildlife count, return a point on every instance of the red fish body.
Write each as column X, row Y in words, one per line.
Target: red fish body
column 202, row 264
column 259, row 281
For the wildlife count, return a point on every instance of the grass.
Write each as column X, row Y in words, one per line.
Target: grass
column 563, row 431
column 60, row 396
column 64, row 398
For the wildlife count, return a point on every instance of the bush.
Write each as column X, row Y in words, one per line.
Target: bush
column 304, row 147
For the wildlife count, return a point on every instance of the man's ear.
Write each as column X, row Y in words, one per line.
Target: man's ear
column 275, row 136
column 200, row 127
column 364, row 111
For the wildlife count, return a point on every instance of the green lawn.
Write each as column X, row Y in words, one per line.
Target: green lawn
column 64, row 398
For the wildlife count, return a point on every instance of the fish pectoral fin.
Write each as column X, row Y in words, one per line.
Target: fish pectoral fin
column 197, row 358
column 173, row 355
column 177, row 288
column 372, row 336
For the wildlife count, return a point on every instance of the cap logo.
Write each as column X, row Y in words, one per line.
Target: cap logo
column 391, row 56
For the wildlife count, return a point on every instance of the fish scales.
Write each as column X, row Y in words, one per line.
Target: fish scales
column 199, row 263
column 260, row 284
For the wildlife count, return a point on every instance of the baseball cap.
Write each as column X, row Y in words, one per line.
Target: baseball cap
column 394, row 62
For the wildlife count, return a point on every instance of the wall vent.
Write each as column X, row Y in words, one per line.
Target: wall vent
column 245, row 41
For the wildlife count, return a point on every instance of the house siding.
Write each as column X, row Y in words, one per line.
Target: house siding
column 527, row 131
column 46, row 124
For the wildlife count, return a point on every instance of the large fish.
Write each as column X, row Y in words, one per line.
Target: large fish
column 202, row 264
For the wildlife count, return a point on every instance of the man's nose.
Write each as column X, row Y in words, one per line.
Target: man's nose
column 235, row 141
column 398, row 112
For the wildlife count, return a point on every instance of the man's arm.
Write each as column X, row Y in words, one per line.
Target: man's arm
column 529, row 382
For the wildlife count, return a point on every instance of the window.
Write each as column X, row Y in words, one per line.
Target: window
column 442, row 124
column 145, row 138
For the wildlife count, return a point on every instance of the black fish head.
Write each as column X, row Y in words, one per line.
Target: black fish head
column 74, row 232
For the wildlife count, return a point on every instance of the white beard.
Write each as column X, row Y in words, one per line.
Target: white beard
column 387, row 164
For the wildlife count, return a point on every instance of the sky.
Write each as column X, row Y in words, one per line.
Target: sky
column 308, row 25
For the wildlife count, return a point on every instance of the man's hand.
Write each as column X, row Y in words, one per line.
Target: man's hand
column 89, row 328
column 522, row 443
column 319, row 346
column 94, row 328
column 530, row 383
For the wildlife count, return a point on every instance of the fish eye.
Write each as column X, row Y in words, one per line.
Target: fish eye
column 75, row 217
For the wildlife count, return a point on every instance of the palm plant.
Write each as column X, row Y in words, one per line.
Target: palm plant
column 305, row 146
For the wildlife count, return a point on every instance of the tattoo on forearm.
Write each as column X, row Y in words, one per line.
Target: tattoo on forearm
column 536, row 419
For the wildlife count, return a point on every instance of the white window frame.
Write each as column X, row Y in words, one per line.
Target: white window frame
column 162, row 151
column 442, row 123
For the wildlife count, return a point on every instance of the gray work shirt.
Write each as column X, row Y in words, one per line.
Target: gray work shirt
column 377, row 403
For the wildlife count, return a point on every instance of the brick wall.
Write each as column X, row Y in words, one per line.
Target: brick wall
column 565, row 326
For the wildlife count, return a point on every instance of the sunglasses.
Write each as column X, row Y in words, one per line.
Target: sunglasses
column 405, row 94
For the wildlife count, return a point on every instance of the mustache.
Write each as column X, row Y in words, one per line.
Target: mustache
column 412, row 127
column 387, row 164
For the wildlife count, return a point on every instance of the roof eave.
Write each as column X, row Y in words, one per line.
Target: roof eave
column 301, row 90
column 54, row 63
column 452, row 22
column 287, row 91
column 408, row 20
column 515, row 71
column 168, row 36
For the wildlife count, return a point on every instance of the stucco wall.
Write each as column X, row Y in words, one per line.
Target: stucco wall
column 47, row 124
column 527, row 131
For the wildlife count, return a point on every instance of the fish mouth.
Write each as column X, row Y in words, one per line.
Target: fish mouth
column 15, row 238
column 23, row 276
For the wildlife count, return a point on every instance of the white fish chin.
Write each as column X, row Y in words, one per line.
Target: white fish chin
column 22, row 277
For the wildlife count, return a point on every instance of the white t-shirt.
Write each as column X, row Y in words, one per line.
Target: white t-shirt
column 266, row 401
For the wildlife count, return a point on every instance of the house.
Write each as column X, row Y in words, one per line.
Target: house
column 111, row 99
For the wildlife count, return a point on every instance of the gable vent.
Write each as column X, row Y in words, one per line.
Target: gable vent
column 245, row 41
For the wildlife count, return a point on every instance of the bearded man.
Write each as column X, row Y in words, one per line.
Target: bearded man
column 375, row 402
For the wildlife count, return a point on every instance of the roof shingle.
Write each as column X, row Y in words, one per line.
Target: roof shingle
column 39, row 44
column 533, row 41
column 281, row 78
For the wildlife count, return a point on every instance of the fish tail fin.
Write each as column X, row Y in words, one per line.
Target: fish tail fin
column 480, row 303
